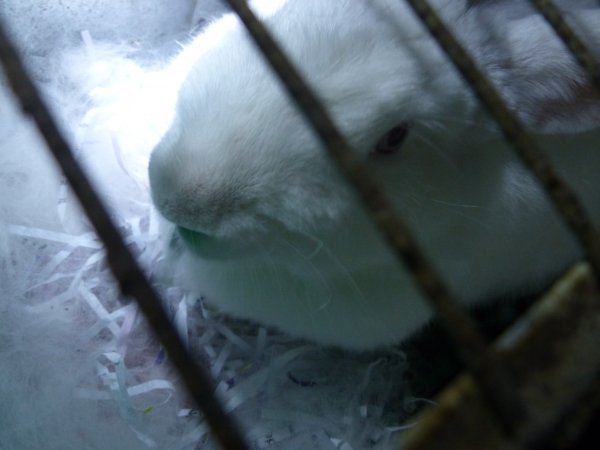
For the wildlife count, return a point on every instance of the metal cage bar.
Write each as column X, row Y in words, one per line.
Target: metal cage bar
column 130, row 278
column 494, row 380
column 509, row 409
column 572, row 41
column 553, row 351
column 558, row 191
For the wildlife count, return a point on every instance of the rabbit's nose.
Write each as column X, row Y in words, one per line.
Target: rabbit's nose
column 187, row 198
column 177, row 196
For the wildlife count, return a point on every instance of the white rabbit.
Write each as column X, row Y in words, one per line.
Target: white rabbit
column 272, row 232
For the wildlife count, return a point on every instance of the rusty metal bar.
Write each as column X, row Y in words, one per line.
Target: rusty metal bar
column 127, row 272
column 572, row 41
column 553, row 352
column 494, row 380
column 562, row 196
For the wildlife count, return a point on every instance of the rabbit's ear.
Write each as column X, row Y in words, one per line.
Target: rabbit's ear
column 543, row 82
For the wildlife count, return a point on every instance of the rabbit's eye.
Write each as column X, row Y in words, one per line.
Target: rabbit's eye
column 392, row 140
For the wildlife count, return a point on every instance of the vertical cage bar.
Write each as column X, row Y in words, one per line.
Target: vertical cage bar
column 572, row 41
column 492, row 377
column 562, row 196
column 125, row 269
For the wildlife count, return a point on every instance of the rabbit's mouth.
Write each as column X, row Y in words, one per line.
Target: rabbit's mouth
column 277, row 243
column 211, row 247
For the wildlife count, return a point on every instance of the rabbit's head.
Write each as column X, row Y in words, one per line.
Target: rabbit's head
column 244, row 178
column 240, row 159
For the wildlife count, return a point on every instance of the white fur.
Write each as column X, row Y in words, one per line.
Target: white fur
column 279, row 238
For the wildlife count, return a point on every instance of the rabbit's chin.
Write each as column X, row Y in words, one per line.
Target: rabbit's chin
column 318, row 283
column 307, row 287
